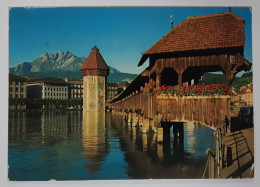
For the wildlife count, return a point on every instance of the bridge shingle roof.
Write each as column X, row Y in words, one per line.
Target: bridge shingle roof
column 221, row 30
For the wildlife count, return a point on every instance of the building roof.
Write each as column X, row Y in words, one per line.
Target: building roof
column 247, row 89
column 94, row 61
column 222, row 30
column 74, row 81
column 16, row 78
column 124, row 84
column 48, row 80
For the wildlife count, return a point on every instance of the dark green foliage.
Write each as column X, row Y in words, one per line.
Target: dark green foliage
column 237, row 83
column 121, row 77
column 211, row 78
column 248, row 74
column 59, row 74
column 113, row 77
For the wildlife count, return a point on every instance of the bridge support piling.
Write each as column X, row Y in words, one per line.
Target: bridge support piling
column 134, row 119
column 140, row 120
column 164, row 133
column 153, row 126
column 129, row 118
column 145, row 125
column 125, row 115
column 160, row 135
column 145, row 142
column 160, row 151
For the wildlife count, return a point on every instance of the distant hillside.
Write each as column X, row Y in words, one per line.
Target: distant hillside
column 64, row 65
column 211, row 78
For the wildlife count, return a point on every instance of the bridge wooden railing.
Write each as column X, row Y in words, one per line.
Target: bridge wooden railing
column 208, row 110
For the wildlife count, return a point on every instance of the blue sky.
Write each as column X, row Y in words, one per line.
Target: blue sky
column 121, row 34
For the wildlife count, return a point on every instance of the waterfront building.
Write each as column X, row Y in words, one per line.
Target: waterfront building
column 75, row 88
column 94, row 72
column 17, row 86
column 112, row 90
column 122, row 86
column 47, row 88
column 17, row 90
column 247, row 96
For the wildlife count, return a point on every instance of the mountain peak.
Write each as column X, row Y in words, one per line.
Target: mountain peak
column 61, row 63
column 57, row 54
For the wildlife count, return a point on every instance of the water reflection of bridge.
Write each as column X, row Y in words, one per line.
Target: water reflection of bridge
column 146, row 157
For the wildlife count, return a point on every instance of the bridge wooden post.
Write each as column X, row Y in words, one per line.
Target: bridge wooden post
column 158, row 80
column 180, row 78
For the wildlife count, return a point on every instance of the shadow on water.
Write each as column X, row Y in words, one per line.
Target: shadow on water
column 72, row 145
column 147, row 159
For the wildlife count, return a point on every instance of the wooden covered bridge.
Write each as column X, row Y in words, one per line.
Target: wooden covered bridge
column 208, row 43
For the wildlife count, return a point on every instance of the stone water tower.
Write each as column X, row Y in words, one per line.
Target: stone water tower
column 94, row 72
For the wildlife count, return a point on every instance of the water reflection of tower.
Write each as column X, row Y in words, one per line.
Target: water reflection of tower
column 95, row 146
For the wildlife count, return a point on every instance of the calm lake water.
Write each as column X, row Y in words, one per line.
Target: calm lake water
column 71, row 146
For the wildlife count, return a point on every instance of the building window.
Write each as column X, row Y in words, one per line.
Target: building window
column 16, row 89
column 21, row 89
column 16, row 95
column 11, row 89
column 22, row 96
